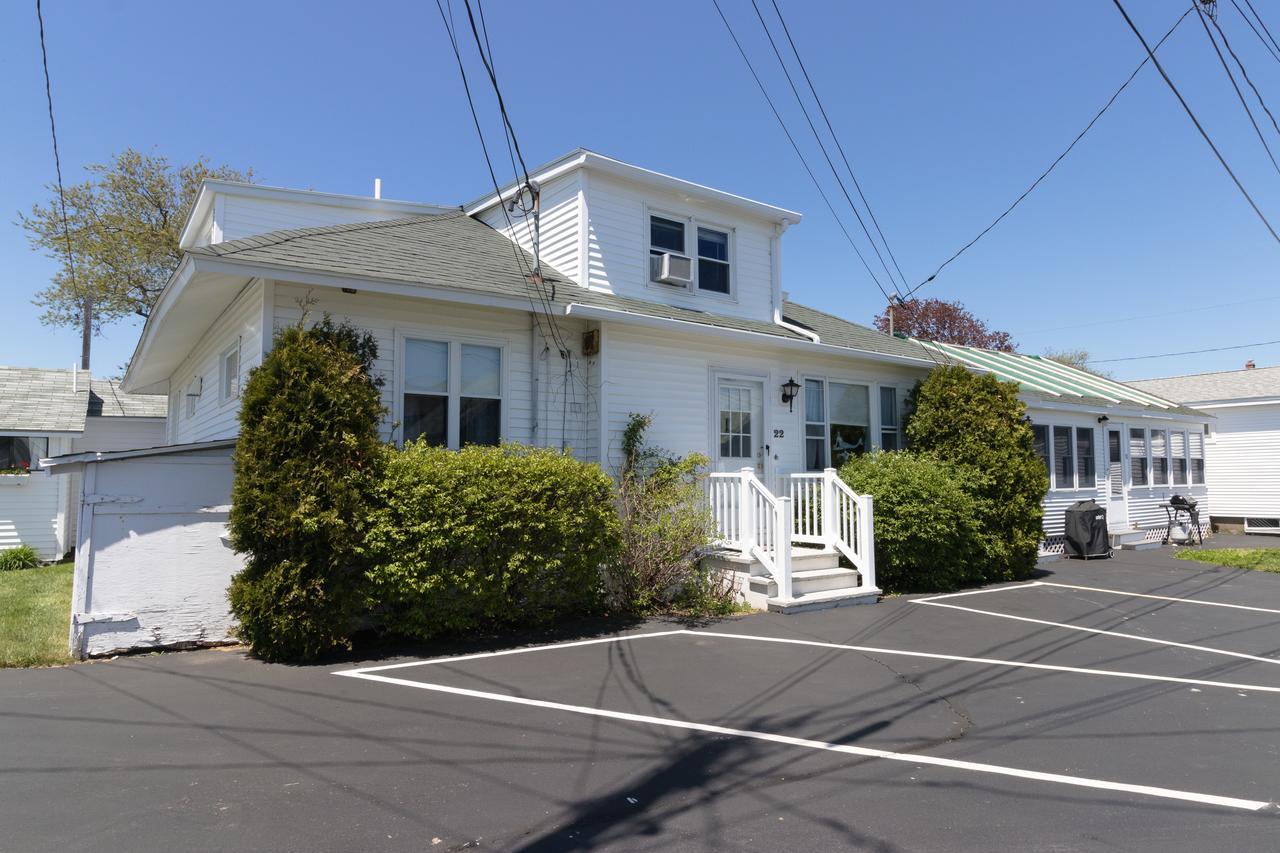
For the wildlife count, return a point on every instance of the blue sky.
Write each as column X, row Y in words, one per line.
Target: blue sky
column 1137, row 244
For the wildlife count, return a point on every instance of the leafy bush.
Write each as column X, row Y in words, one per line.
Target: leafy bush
column 926, row 525
column 305, row 464
column 487, row 537
column 21, row 557
column 977, row 422
column 666, row 526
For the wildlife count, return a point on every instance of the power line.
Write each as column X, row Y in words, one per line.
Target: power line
column 1262, row 24
column 804, row 162
column 840, row 148
column 1187, row 352
column 1243, row 72
column 823, row 148
column 1054, row 164
column 1200, row 310
column 1194, row 120
column 86, row 308
column 1270, row 49
column 1240, row 95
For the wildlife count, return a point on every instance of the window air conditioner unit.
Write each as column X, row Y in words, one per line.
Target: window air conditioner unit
column 671, row 269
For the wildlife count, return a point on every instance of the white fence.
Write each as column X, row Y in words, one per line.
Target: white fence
column 819, row 510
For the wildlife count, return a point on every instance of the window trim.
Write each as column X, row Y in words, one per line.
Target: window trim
column 691, row 225
column 33, row 466
column 453, row 427
column 1051, row 457
column 225, row 395
column 875, row 425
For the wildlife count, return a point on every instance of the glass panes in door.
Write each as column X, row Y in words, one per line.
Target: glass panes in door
column 735, row 422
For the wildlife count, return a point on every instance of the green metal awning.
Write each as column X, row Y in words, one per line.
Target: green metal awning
column 1047, row 376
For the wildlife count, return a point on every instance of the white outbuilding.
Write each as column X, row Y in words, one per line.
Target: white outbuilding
column 1243, row 442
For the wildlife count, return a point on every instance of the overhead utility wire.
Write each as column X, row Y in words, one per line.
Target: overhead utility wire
column 840, row 148
column 520, row 263
column 796, row 147
column 1261, row 24
column 1196, row 121
column 823, row 148
column 1186, row 352
column 1052, row 165
column 1243, row 72
column 1240, row 95
column 1271, row 50
column 87, row 303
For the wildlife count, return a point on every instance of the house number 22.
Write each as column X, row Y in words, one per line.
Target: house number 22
column 779, row 433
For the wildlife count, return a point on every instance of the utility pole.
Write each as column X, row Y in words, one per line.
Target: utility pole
column 86, row 330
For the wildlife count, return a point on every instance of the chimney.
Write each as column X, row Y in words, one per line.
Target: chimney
column 1249, row 365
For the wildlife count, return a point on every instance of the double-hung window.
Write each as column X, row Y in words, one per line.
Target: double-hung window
column 890, row 419
column 452, row 407
column 1086, row 477
column 1040, row 443
column 230, row 373
column 712, row 267
column 837, row 422
column 1138, row 457
column 1178, row 448
column 22, row 454
column 1197, row 457
column 1064, row 458
column 1159, row 457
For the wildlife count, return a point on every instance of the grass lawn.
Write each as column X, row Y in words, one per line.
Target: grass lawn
column 35, row 615
column 1261, row 559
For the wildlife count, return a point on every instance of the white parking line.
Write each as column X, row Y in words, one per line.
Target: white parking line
column 1009, row 588
column 865, row 752
column 520, row 651
column 1071, row 627
column 1179, row 600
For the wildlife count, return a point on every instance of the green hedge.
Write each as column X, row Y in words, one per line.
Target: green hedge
column 305, row 462
column 487, row 537
column 927, row 527
column 977, row 422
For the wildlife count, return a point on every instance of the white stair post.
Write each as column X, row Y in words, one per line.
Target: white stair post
column 782, row 548
column 746, row 514
column 829, row 510
column 867, row 541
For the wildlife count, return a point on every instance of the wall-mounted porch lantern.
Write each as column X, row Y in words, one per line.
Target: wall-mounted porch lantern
column 790, row 389
column 1103, row 419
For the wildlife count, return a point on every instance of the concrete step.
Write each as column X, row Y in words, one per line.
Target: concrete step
column 824, row 600
column 1141, row 546
column 807, row 581
column 1131, row 536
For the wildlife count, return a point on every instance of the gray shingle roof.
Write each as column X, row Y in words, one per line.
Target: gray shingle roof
column 36, row 399
column 456, row 251
column 1211, row 387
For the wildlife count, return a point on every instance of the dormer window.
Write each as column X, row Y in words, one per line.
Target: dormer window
column 713, row 260
column 707, row 271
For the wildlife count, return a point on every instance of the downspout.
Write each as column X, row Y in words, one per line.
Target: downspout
column 775, row 272
column 534, row 380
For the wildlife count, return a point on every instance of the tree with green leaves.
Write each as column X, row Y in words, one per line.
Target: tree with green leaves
column 123, row 225
column 978, row 424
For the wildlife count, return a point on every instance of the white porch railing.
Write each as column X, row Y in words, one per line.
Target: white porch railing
column 819, row 509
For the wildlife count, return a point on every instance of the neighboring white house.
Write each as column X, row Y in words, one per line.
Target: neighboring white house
column 47, row 412
column 1243, row 441
column 656, row 295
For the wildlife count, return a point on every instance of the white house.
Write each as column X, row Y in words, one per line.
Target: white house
column 1243, row 441
column 654, row 295
column 45, row 412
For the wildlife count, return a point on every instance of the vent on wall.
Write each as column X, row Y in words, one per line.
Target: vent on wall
column 1262, row 525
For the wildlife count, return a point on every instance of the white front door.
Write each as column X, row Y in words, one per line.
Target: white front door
column 1117, row 479
column 739, row 438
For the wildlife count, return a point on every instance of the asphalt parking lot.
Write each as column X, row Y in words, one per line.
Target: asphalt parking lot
column 1124, row 704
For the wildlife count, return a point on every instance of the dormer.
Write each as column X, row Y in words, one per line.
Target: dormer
column 231, row 210
column 617, row 228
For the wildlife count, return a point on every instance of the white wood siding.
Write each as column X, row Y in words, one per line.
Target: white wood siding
column 238, row 216
column 214, row 417
column 115, row 433
column 565, row 399
column 618, row 248
column 33, row 509
column 560, row 225
column 670, row 376
column 1243, row 461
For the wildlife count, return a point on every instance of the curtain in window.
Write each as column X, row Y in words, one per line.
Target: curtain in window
column 889, row 419
column 1178, row 447
column 849, row 410
column 815, row 424
column 1197, row 458
column 1159, row 458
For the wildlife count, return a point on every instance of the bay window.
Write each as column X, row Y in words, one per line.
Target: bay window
column 452, row 394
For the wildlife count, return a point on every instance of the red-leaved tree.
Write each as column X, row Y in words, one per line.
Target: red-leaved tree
column 948, row 322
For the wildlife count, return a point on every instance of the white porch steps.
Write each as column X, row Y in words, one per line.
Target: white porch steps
column 818, row 582
column 1132, row 540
